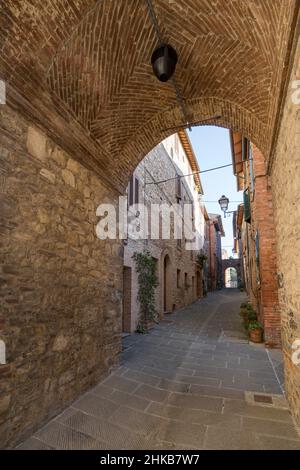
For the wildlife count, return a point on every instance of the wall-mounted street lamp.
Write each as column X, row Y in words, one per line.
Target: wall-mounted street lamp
column 224, row 202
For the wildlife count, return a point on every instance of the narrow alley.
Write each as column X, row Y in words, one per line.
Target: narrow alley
column 194, row 382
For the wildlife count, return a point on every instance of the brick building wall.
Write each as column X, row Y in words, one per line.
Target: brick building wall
column 259, row 239
column 263, row 222
column 60, row 285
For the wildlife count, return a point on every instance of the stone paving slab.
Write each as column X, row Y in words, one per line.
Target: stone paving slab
column 151, row 393
column 95, row 405
column 104, row 431
column 266, row 413
column 219, row 438
column 187, row 434
column 143, row 423
column 276, row 443
column 195, row 416
column 189, row 384
column 142, row 377
column 34, row 444
column 61, row 437
column 132, row 401
column 278, row 429
column 196, row 402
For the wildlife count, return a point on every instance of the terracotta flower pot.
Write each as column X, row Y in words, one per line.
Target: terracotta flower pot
column 256, row 336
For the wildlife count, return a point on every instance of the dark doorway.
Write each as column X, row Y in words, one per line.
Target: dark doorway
column 127, row 275
column 167, row 284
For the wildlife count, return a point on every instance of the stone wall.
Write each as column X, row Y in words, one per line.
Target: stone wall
column 60, row 285
column 285, row 174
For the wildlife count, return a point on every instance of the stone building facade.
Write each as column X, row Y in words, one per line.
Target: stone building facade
column 179, row 276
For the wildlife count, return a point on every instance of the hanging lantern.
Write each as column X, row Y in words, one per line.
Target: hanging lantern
column 164, row 60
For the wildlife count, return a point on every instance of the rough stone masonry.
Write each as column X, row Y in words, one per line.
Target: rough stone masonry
column 60, row 286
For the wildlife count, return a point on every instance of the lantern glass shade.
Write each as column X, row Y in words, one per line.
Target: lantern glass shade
column 224, row 201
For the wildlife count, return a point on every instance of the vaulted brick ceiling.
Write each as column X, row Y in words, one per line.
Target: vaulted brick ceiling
column 91, row 61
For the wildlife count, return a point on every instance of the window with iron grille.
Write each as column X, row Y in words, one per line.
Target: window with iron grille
column 178, row 188
column 133, row 191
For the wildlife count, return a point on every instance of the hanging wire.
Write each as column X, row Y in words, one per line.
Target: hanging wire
column 154, row 21
column 230, row 202
column 194, row 173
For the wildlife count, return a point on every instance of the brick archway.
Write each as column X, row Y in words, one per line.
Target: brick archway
column 80, row 89
column 237, row 265
column 91, row 84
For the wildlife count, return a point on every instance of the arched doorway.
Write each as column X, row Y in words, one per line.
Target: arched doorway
column 232, row 270
column 231, row 278
column 167, row 284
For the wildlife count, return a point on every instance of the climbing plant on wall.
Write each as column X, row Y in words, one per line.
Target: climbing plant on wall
column 201, row 260
column 147, row 283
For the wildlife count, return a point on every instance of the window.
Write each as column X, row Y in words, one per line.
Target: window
column 176, row 144
column 178, row 278
column 186, row 280
column 178, row 188
column 247, row 207
column 251, row 171
column 133, row 191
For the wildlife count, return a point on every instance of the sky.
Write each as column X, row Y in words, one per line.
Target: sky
column 212, row 148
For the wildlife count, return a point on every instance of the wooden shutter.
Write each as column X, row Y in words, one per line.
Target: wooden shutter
column 247, row 207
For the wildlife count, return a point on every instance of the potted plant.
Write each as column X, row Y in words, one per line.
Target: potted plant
column 255, row 332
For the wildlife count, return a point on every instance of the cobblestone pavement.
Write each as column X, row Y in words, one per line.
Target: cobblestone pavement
column 194, row 382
